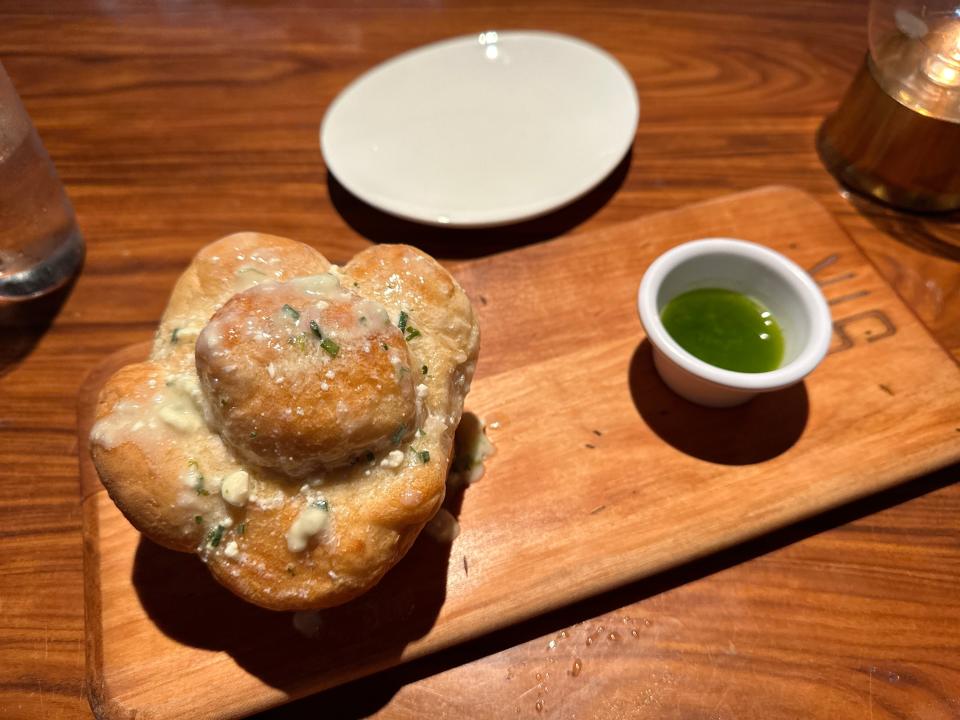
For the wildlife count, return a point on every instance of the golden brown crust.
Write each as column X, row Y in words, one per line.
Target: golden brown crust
column 301, row 380
column 301, row 493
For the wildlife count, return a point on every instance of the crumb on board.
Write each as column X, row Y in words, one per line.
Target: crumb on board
column 597, row 509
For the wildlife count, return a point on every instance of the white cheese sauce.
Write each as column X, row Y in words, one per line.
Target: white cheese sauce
column 309, row 522
column 444, row 527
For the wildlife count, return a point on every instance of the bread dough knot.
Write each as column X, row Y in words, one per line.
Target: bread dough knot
column 305, row 375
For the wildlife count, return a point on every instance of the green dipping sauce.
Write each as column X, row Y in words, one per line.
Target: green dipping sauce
column 726, row 329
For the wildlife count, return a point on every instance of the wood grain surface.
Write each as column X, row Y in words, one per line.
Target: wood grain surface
column 172, row 124
column 601, row 476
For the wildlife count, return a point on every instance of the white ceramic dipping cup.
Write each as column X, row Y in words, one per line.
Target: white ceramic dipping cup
column 756, row 271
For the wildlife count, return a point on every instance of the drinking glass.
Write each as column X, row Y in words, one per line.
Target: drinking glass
column 896, row 134
column 40, row 245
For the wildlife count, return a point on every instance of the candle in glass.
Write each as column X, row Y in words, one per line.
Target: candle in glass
column 896, row 134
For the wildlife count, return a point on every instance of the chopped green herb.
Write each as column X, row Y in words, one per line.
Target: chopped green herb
column 369, row 457
column 290, row 571
column 253, row 434
column 403, row 370
column 315, row 329
column 241, row 528
column 330, row 346
column 423, row 369
column 322, row 504
column 173, row 336
column 424, row 456
column 412, row 333
column 299, row 341
column 291, row 312
column 356, row 284
column 363, row 319
column 215, row 536
column 402, row 322
column 397, row 434
column 198, row 477
column 198, row 519
column 384, row 346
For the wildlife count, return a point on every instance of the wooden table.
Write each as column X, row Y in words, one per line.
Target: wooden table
column 173, row 126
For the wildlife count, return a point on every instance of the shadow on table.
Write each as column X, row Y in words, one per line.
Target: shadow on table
column 759, row 430
column 23, row 324
column 463, row 243
column 933, row 234
column 187, row 604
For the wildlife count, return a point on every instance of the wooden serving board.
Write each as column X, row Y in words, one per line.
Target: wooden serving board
column 601, row 476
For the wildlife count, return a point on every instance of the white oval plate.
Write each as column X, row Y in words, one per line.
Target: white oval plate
column 482, row 130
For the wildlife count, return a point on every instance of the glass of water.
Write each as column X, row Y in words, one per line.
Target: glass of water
column 40, row 245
